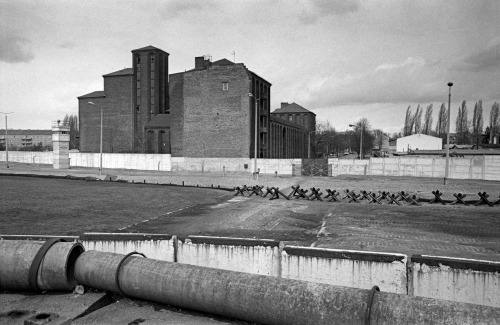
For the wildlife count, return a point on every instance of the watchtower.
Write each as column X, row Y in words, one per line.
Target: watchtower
column 60, row 143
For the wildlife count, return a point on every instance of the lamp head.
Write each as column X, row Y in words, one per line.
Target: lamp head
column 450, row 84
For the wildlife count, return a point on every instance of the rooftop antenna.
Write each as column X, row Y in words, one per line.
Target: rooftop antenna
column 234, row 56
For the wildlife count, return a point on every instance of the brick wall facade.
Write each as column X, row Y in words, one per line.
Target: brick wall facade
column 204, row 112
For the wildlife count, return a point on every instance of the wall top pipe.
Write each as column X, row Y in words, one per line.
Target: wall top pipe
column 457, row 263
column 37, row 237
column 232, row 241
column 123, row 236
column 345, row 254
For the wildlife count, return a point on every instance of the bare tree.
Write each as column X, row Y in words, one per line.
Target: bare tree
column 442, row 122
column 363, row 127
column 494, row 121
column 417, row 120
column 408, row 122
column 477, row 119
column 462, row 125
column 427, row 129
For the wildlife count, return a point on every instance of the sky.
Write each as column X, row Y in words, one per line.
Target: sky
column 341, row 59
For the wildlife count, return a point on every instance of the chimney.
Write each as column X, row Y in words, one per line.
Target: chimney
column 199, row 63
column 283, row 104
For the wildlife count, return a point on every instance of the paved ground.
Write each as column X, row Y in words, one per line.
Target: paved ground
column 77, row 206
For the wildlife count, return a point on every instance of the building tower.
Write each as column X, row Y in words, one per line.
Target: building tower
column 150, row 91
column 60, row 144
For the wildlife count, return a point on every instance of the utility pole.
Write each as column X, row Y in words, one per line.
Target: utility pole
column 447, row 168
column 6, row 140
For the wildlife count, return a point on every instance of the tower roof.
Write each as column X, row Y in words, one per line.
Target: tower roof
column 292, row 108
column 149, row 48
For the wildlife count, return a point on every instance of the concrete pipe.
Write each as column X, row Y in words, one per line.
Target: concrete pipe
column 55, row 269
column 264, row 299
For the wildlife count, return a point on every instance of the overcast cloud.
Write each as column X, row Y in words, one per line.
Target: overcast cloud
column 343, row 60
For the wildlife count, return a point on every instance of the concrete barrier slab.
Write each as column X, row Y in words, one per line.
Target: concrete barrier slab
column 462, row 280
column 257, row 256
column 355, row 269
column 155, row 246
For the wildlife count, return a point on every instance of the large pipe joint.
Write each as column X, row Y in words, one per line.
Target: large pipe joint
column 55, row 271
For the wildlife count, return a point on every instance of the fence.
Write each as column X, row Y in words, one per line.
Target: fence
column 485, row 167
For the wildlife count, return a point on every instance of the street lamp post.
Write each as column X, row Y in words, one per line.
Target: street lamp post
column 6, row 140
column 100, row 146
column 360, row 141
column 256, row 130
column 309, row 144
column 447, row 168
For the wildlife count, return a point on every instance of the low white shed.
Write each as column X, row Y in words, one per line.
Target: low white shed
column 418, row 142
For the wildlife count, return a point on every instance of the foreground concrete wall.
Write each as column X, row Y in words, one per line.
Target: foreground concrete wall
column 475, row 282
column 460, row 280
column 160, row 247
column 485, row 167
column 235, row 254
column 346, row 268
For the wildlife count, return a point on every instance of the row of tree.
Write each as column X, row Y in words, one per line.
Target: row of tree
column 326, row 141
column 467, row 132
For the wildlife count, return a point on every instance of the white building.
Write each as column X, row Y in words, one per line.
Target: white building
column 418, row 142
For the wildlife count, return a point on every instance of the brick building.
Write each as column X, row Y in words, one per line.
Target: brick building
column 203, row 112
column 18, row 139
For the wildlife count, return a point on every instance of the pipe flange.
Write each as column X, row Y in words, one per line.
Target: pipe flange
column 369, row 305
column 35, row 265
column 117, row 274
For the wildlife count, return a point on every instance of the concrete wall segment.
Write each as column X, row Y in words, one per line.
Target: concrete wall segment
column 469, row 281
column 241, row 255
column 160, row 247
column 356, row 269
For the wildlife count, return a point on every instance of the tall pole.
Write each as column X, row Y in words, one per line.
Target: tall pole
column 100, row 149
column 256, row 131
column 100, row 146
column 361, row 143
column 6, row 140
column 447, row 168
column 6, row 144
column 309, row 145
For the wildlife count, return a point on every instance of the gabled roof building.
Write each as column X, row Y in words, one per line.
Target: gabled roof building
column 203, row 112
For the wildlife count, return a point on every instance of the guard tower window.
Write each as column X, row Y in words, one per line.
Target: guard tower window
column 225, row 86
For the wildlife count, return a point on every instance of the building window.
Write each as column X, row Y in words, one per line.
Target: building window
column 290, row 118
column 225, row 86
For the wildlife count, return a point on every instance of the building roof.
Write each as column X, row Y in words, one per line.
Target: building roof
column 94, row 94
column 122, row 72
column 291, row 108
column 419, row 135
column 26, row 132
column 456, row 152
column 148, row 48
column 223, row 62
